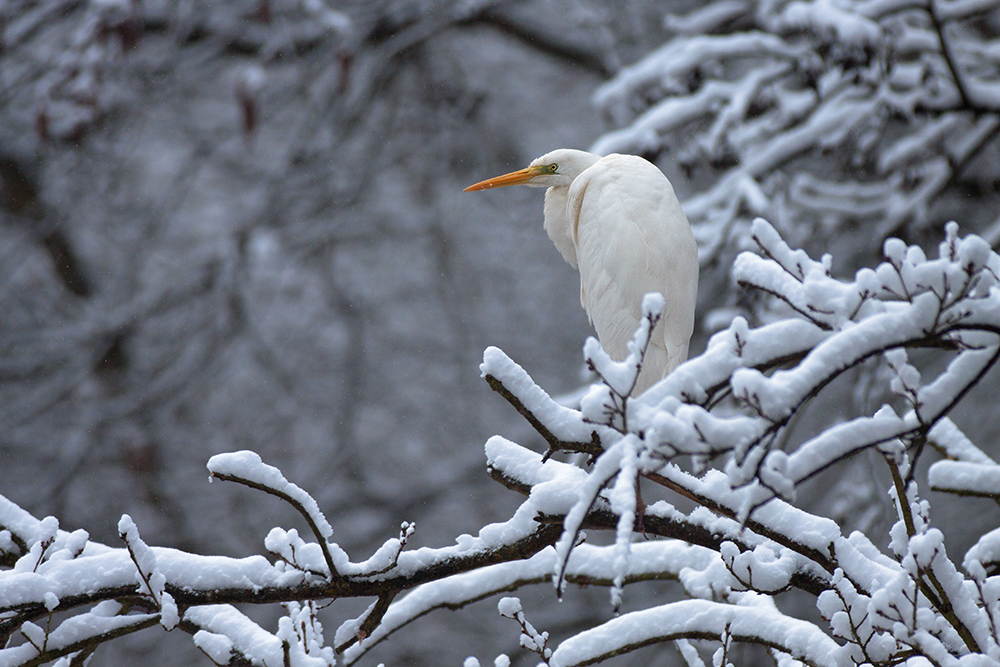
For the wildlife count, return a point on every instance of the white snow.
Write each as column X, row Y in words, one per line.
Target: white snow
column 986, row 550
column 692, row 618
column 217, row 647
column 827, row 16
column 115, row 569
column 565, row 423
column 965, row 477
column 246, row 636
column 509, row 606
column 669, row 559
column 248, row 466
column 74, row 630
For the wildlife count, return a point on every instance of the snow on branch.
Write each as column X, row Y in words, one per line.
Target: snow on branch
column 718, row 432
column 103, row 588
column 150, row 579
column 828, row 114
column 589, row 565
column 964, row 478
column 715, row 432
column 736, row 401
column 607, row 403
column 247, row 468
column 699, row 619
column 559, row 425
column 908, row 301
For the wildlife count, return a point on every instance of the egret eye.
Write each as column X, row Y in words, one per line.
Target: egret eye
column 552, row 168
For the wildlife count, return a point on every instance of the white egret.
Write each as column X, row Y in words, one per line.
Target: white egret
column 618, row 221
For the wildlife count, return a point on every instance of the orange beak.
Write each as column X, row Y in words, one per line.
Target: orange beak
column 519, row 177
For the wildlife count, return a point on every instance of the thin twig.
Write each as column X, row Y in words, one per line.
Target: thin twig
column 334, row 575
column 372, row 621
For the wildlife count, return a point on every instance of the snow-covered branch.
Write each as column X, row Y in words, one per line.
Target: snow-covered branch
column 58, row 572
column 737, row 400
column 714, row 437
column 827, row 114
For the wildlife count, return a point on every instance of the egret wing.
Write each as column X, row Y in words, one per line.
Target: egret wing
column 632, row 238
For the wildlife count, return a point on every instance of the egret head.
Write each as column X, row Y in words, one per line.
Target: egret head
column 554, row 169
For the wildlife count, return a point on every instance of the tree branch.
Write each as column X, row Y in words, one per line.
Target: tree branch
column 592, row 448
column 320, row 539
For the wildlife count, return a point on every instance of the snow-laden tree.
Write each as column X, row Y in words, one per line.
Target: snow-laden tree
column 839, row 122
column 713, row 434
column 824, row 116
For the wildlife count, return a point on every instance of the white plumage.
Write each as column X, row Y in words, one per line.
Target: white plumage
column 617, row 220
